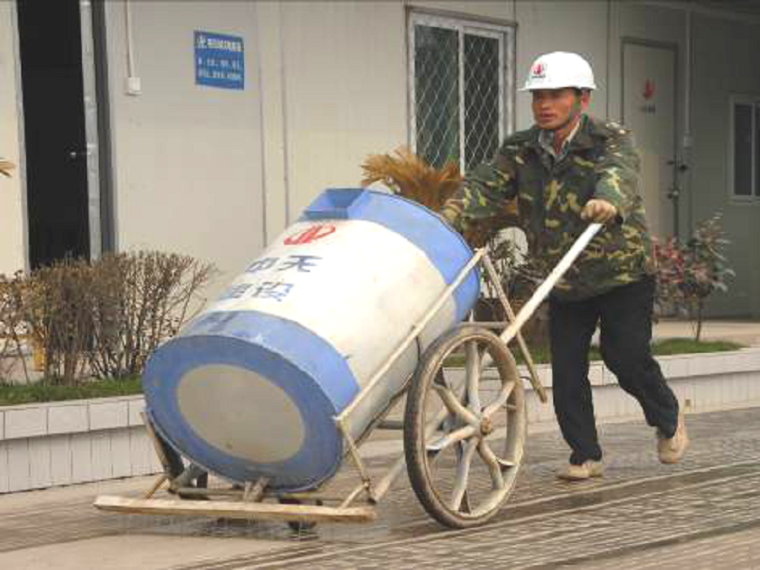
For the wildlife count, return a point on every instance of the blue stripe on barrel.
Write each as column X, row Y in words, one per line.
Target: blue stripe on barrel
column 310, row 371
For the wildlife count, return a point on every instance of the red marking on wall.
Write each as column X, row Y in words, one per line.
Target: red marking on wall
column 309, row 235
column 648, row 89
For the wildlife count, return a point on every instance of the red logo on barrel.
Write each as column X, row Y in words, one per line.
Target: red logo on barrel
column 309, row 235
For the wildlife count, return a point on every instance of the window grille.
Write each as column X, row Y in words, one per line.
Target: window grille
column 461, row 91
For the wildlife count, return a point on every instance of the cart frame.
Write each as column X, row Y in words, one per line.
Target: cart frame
column 247, row 502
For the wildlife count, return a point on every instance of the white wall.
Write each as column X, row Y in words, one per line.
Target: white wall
column 188, row 159
column 12, row 214
column 216, row 174
column 725, row 62
column 345, row 91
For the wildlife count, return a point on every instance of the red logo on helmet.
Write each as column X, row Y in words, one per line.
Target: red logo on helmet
column 539, row 70
column 649, row 89
column 309, row 235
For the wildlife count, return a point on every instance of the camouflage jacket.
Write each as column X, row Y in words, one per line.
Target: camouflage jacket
column 601, row 162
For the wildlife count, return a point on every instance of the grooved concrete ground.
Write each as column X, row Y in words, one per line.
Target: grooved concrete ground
column 701, row 513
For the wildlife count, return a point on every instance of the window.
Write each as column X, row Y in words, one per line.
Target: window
column 460, row 90
column 745, row 145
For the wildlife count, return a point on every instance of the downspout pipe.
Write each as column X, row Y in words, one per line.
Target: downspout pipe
column 687, row 135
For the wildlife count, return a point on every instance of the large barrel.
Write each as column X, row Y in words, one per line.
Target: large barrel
column 250, row 387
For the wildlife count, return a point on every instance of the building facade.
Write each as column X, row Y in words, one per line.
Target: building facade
column 204, row 128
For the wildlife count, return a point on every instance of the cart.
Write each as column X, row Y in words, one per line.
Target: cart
column 465, row 399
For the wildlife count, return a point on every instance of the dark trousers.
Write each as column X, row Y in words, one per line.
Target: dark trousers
column 624, row 315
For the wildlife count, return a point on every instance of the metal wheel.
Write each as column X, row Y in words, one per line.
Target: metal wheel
column 465, row 429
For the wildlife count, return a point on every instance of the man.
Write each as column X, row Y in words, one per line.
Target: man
column 567, row 170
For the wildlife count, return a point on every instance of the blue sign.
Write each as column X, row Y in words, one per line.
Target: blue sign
column 219, row 60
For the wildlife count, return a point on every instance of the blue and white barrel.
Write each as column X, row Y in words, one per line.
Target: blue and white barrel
column 251, row 386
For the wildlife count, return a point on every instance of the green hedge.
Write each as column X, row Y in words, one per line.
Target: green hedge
column 15, row 395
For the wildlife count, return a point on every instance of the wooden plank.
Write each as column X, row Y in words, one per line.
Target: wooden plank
column 235, row 510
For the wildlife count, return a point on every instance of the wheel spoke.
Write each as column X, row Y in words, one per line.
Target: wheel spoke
column 500, row 401
column 472, row 372
column 450, row 438
column 493, row 463
column 463, row 475
column 455, row 407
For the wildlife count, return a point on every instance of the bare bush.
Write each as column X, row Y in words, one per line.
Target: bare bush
column 139, row 301
column 100, row 319
column 12, row 326
column 55, row 307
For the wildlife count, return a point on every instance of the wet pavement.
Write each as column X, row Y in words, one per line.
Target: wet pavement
column 701, row 513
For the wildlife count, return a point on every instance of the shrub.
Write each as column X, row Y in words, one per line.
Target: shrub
column 103, row 318
column 12, row 325
column 687, row 274
column 139, row 301
column 55, row 307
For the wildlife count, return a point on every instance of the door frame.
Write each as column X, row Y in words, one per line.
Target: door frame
column 674, row 48
column 21, row 135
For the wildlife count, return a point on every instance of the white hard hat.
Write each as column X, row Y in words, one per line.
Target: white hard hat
column 558, row 70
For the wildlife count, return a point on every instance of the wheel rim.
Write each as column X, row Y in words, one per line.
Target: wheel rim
column 472, row 458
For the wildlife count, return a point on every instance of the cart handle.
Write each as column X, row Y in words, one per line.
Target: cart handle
column 545, row 288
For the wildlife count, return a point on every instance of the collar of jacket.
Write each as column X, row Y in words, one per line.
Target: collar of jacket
column 583, row 139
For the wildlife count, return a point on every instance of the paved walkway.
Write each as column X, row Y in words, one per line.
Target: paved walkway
column 701, row 513
column 741, row 331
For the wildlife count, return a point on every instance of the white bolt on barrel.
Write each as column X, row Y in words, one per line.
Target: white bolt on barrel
column 250, row 387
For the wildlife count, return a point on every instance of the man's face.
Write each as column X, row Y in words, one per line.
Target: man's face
column 553, row 107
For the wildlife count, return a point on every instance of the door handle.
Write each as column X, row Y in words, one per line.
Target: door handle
column 74, row 154
column 679, row 165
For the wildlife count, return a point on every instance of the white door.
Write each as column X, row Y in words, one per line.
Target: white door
column 649, row 90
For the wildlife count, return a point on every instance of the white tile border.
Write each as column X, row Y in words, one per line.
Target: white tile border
column 96, row 434
column 72, row 416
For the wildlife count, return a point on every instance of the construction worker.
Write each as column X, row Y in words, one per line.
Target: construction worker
column 570, row 169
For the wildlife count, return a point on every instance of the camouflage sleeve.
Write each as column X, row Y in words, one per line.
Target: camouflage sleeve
column 485, row 194
column 618, row 172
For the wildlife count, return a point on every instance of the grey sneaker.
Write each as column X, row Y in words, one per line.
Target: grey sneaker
column 671, row 449
column 585, row 470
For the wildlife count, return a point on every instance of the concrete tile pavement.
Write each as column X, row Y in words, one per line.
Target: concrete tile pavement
column 705, row 510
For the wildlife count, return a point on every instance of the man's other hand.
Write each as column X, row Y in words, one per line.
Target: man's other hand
column 600, row 211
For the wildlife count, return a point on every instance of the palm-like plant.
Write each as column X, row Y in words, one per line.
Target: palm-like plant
column 408, row 175
column 6, row 166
